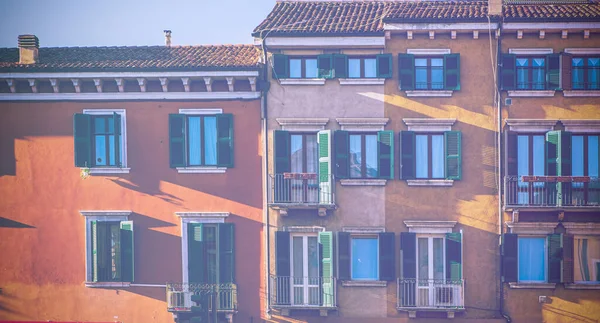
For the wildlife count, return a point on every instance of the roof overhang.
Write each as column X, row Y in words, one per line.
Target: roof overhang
column 460, row 26
column 150, row 75
column 324, row 42
column 548, row 26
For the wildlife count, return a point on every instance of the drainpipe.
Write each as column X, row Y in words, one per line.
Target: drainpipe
column 264, row 113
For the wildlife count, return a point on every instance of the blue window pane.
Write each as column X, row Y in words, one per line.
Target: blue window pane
column 354, row 67
column 365, row 264
column 437, row 73
column 296, row 153
column 210, row 140
column 577, row 62
column 355, row 156
column 99, row 125
column 100, row 150
column 522, row 62
column 538, row 155
column 522, row 155
column 593, row 73
column 371, row 155
column 421, row 156
column 111, row 150
column 539, row 79
column 593, row 156
column 421, row 73
column 577, row 155
column 538, row 62
column 370, row 67
column 295, row 68
column 194, row 140
column 437, row 156
column 111, row 124
column 311, row 68
column 532, row 259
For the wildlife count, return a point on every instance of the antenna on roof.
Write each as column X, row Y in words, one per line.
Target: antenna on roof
column 167, row 37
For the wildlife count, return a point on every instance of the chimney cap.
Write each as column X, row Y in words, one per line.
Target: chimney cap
column 167, row 31
column 29, row 41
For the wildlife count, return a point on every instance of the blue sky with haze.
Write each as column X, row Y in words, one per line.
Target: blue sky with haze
column 60, row 23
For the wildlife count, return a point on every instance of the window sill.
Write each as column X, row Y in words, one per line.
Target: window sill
column 302, row 81
column 364, row 283
column 430, row 182
column 532, row 285
column 108, row 170
column 362, row 81
column 583, row 93
column 582, row 286
column 363, row 182
column 531, row 93
column 107, row 284
column 201, row 170
column 429, row 93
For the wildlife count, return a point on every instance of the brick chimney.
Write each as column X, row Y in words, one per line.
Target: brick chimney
column 167, row 38
column 29, row 46
column 494, row 7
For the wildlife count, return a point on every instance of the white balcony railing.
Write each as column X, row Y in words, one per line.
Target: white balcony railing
column 300, row 189
column 551, row 191
column 303, row 292
column 431, row 294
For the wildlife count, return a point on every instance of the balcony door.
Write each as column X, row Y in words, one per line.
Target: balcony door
column 430, row 270
column 304, row 159
column 530, row 161
column 305, row 271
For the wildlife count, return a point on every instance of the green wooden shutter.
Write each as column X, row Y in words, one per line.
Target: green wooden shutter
column 281, row 147
column 568, row 255
column 558, row 163
column 201, row 309
column 510, row 152
column 406, row 71
column 510, row 257
column 127, row 255
column 554, row 258
column 82, row 134
column 94, row 240
column 566, row 71
column 553, row 72
column 384, row 65
column 342, row 153
column 343, row 239
column 195, row 253
column 325, row 177
column 99, row 251
column 225, row 155
column 281, row 66
column 226, row 251
column 407, row 155
column 117, row 128
column 326, row 241
column 177, row 142
column 282, row 267
column 453, row 148
column 408, row 256
column 452, row 72
column 552, row 155
column 387, row 256
column 508, row 72
column 385, row 154
column 454, row 256
column 340, row 65
column 325, row 66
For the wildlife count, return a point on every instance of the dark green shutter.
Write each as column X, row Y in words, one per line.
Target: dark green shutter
column 82, row 133
column 325, row 66
column 201, row 309
column 453, row 150
column 387, row 256
column 195, row 253
column 566, row 71
column 452, row 72
column 554, row 258
column 407, row 155
column 127, row 258
column 225, row 155
column 510, row 257
column 282, row 267
column 226, row 253
column 343, row 255
column 568, row 258
column 100, row 265
column 384, row 66
column 342, row 153
column 177, row 145
column 406, row 71
column 511, row 150
column 408, row 247
column 385, row 154
column 326, row 243
column 340, row 65
column 508, row 72
column 281, row 66
column 281, row 147
column 94, row 240
column 454, row 256
column 117, row 128
column 553, row 72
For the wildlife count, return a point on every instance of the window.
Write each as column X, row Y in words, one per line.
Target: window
column 585, row 73
column 100, row 139
column 201, row 140
column 429, row 73
column 328, row 66
column 112, row 251
column 303, row 67
column 359, row 67
column 365, row 258
column 423, row 72
column 210, row 251
column 524, row 72
column 532, row 259
column 531, row 73
column 584, row 161
column 305, row 270
column 430, row 258
column 587, row 260
column 431, row 155
column 364, row 155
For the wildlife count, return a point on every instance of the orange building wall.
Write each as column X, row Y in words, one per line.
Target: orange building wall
column 42, row 234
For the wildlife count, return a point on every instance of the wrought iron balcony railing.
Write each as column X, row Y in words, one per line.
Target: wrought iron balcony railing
column 301, row 189
column 551, row 191
column 303, row 292
column 222, row 297
column 430, row 294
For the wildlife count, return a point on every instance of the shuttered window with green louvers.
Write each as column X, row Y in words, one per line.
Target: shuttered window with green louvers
column 98, row 140
column 431, row 155
column 211, row 253
column 112, row 251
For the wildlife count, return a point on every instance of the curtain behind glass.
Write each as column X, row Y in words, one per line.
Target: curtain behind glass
column 437, row 156
column 421, row 73
column 311, row 68
column 539, row 73
column 296, row 153
column 355, row 156
column 210, row 140
column 422, row 161
column 532, row 259
column 354, row 68
column 312, row 157
column 370, row 67
column 295, row 68
column 371, row 155
column 593, row 73
column 194, row 140
column 522, row 73
column 423, row 259
column 577, row 73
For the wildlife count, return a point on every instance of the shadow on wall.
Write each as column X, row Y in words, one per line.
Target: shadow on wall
column 6, row 308
column 8, row 223
column 8, row 161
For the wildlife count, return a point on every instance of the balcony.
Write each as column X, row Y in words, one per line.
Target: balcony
column 301, row 191
column 543, row 192
column 431, row 295
column 219, row 297
column 303, row 293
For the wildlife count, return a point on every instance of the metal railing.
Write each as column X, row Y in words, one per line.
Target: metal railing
column 303, row 291
column 431, row 293
column 552, row 191
column 179, row 296
column 301, row 189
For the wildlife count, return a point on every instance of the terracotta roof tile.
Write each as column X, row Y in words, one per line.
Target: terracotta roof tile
column 210, row 57
column 552, row 11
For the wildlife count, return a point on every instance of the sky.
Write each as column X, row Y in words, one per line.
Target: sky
column 60, row 23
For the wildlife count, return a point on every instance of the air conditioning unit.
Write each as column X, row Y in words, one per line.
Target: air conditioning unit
column 444, row 295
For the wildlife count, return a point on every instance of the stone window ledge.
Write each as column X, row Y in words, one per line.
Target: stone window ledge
column 108, row 170
column 107, row 284
column 362, row 124
column 430, row 182
column 429, row 93
column 541, row 228
column 364, row 283
column 302, row 81
column 363, row 182
column 582, row 286
column 201, row 170
column 429, row 124
column 362, row 81
column 302, row 124
column 532, row 285
column 531, row 93
column 583, row 93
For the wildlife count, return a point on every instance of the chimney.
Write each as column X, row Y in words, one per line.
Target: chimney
column 28, row 49
column 167, row 38
column 494, row 7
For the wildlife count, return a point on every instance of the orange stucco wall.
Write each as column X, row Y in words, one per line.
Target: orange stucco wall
column 42, row 234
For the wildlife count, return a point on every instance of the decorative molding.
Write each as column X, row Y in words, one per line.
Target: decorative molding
column 388, row 35
column 532, row 227
column 127, row 75
column 164, row 83
column 583, row 51
column 438, row 26
column 77, row 85
column 12, row 85
column 530, row 51
column 203, row 217
column 201, row 170
column 142, row 83
column 532, row 285
column 363, row 230
column 409, row 34
column 549, row 25
column 429, row 93
column 120, row 84
column 97, row 83
column 564, row 34
column 519, row 34
column 582, row 228
column 304, row 229
column 118, row 96
column 542, row 34
column 531, row 93
column 429, row 124
column 252, row 81
column 428, row 51
column 208, row 83
column 453, row 34
column 33, row 85
column 302, row 81
column 107, row 284
column 319, row 42
column 201, row 111
column 432, row 34
column 418, row 226
column 106, row 213
column 582, row 286
column 109, row 170
column 531, row 125
column 186, row 83
column 362, row 124
column 475, row 34
column 230, row 83
column 580, row 93
column 362, row 81
column 363, row 182
column 430, row 182
column 364, row 283
column 302, row 124
column 55, row 87
column 582, row 126
column 586, row 34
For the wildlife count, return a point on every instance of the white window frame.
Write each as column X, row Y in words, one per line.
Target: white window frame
column 430, row 237
column 545, row 281
column 123, row 145
column 305, row 285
